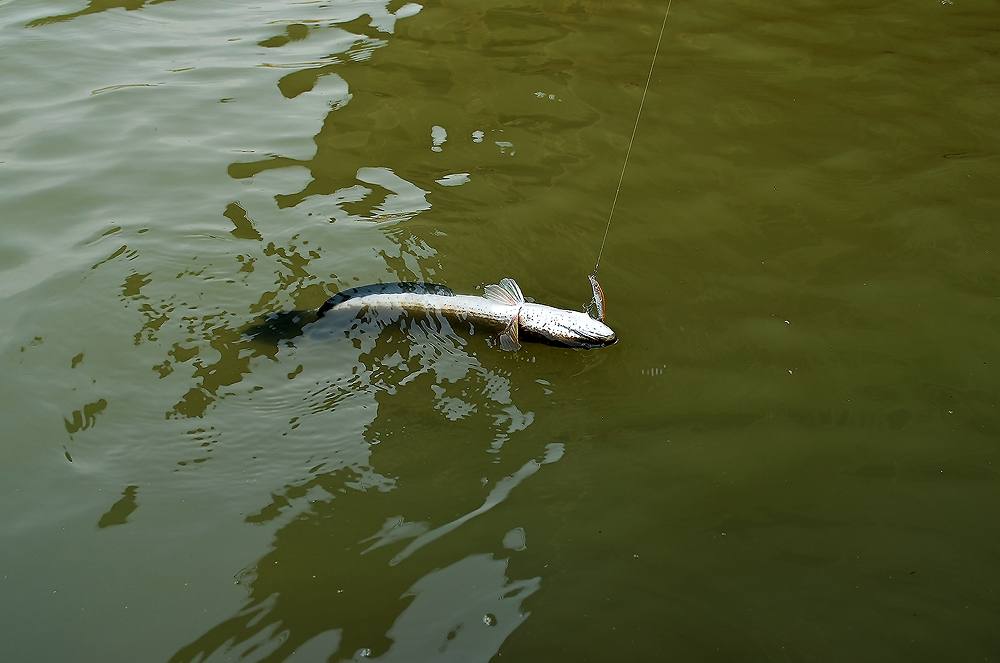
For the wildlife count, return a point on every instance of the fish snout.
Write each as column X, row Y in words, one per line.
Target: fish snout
column 609, row 339
column 599, row 335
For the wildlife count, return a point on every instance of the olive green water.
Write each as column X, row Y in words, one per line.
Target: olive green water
column 792, row 454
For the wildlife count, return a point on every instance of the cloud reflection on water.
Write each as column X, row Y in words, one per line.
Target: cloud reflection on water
column 95, row 7
column 346, row 428
column 349, row 554
column 396, row 394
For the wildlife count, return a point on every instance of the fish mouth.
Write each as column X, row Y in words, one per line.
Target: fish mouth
column 599, row 341
column 585, row 340
column 577, row 341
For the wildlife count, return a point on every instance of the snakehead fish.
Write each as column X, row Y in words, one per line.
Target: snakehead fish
column 502, row 308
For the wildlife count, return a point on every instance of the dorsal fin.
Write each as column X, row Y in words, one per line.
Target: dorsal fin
column 506, row 292
column 381, row 289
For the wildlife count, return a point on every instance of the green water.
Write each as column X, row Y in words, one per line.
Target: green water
column 792, row 454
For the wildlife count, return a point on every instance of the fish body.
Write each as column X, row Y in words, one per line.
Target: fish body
column 502, row 309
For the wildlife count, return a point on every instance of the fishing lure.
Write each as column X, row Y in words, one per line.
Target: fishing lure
column 599, row 302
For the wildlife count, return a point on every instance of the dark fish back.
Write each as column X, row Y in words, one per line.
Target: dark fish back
column 384, row 289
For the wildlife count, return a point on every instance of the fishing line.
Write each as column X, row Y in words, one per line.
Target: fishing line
column 635, row 128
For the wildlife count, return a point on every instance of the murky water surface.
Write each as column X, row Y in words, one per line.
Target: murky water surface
column 792, row 454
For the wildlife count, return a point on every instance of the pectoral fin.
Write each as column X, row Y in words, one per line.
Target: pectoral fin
column 508, row 338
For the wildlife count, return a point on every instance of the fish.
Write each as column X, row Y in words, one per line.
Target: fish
column 502, row 308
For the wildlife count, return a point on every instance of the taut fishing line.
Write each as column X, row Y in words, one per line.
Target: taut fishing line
column 628, row 152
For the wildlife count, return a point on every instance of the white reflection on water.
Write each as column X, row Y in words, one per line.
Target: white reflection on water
column 473, row 605
column 397, row 529
column 454, row 179
column 353, row 425
column 304, row 442
column 439, row 136
column 553, row 452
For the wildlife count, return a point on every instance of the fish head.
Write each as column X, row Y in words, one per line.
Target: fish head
column 572, row 329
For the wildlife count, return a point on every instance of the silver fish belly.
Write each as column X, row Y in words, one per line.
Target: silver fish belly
column 465, row 308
